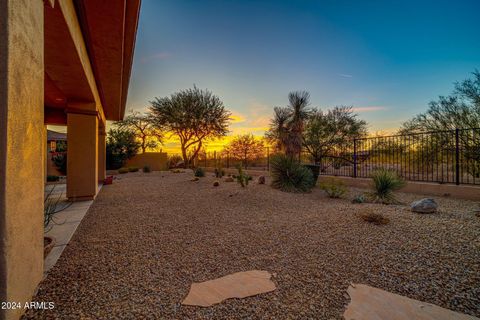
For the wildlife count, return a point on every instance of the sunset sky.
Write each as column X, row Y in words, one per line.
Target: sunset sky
column 388, row 59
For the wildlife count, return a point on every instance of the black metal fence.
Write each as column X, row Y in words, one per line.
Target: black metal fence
column 451, row 156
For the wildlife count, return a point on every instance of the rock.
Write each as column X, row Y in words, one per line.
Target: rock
column 236, row 285
column 216, row 184
column 261, row 180
column 229, row 179
column 426, row 205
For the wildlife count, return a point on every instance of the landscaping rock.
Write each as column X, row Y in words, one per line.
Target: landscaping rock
column 216, row 184
column 426, row 205
column 261, row 180
column 229, row 179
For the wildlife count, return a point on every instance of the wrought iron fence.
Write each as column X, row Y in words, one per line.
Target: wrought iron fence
column 451, row 156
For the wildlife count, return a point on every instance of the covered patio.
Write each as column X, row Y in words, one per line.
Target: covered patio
column 67, row 62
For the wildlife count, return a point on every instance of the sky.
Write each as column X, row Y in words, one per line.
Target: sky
column 387, row 59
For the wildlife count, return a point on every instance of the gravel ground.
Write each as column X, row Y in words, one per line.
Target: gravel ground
column 147, row 237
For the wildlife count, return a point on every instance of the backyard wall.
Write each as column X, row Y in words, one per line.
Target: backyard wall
column 157, row 161
column 467, row 192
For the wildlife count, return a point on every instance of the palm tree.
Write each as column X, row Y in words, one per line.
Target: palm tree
column 286, row 127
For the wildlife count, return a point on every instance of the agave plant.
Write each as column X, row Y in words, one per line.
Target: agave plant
column 385, row 182
column 289, row 175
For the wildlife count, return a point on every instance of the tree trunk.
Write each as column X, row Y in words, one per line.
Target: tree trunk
column 185, row 157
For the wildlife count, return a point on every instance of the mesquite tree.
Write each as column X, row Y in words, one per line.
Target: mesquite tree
column 245, row 147
column 327, row 132
column 144, row 129
column 194, row 116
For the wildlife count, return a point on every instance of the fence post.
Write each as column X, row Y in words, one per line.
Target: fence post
column 215, row 158
column 457, row 157
column 268, row 158
column 228, row 160
column 205, row 158
column 354, row 158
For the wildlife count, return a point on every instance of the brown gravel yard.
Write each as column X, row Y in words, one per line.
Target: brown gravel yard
column 147, row 237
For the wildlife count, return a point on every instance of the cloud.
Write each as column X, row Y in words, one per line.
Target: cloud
column 343, row 75
column 237, row 118
column 369, row 109
column 157, row 56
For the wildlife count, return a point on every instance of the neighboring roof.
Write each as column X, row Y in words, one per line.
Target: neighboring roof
column 56, row 136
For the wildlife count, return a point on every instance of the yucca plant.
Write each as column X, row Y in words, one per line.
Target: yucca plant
column 385, row 182
column 289, row 175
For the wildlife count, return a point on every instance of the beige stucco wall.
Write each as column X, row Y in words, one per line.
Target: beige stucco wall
column 102, row 165
column 21, row 150
column 157, row 161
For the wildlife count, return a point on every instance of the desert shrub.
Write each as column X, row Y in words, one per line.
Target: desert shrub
column 123, row 170
column 133, row 169
column 373, row 217
column 219, row 172
column 199, row 172
column 334, row 188
column 52, row 204
column 146, row 169
column 60, row 161
column 174, row 161
column 53, row 178
column 315, row 171
column 359, row 198
column 385, row 182
column 289, row 175
column 242, row 177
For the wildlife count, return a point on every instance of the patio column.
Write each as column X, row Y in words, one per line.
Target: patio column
column 21, row 151
column 102, row 154
column 82, row 152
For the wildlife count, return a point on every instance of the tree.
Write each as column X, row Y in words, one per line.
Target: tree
column 194, row 116
column 334, row 130
column 143, row 128
column 121, row 146
column 287, row 125
column 459, row 110
column 245, row 147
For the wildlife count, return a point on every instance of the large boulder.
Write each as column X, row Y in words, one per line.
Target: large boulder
column 229, row 179
column 426, row 205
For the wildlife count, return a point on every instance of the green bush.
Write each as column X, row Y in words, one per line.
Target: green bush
column 385, row 182
column 133, row 169
column 359, row 198
column 60, row 161
column 53, row 178
column 199, row 172
column 123, row 170
column 146, row 169
column 315, row 168
column 334, row 188
column 289, row 175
